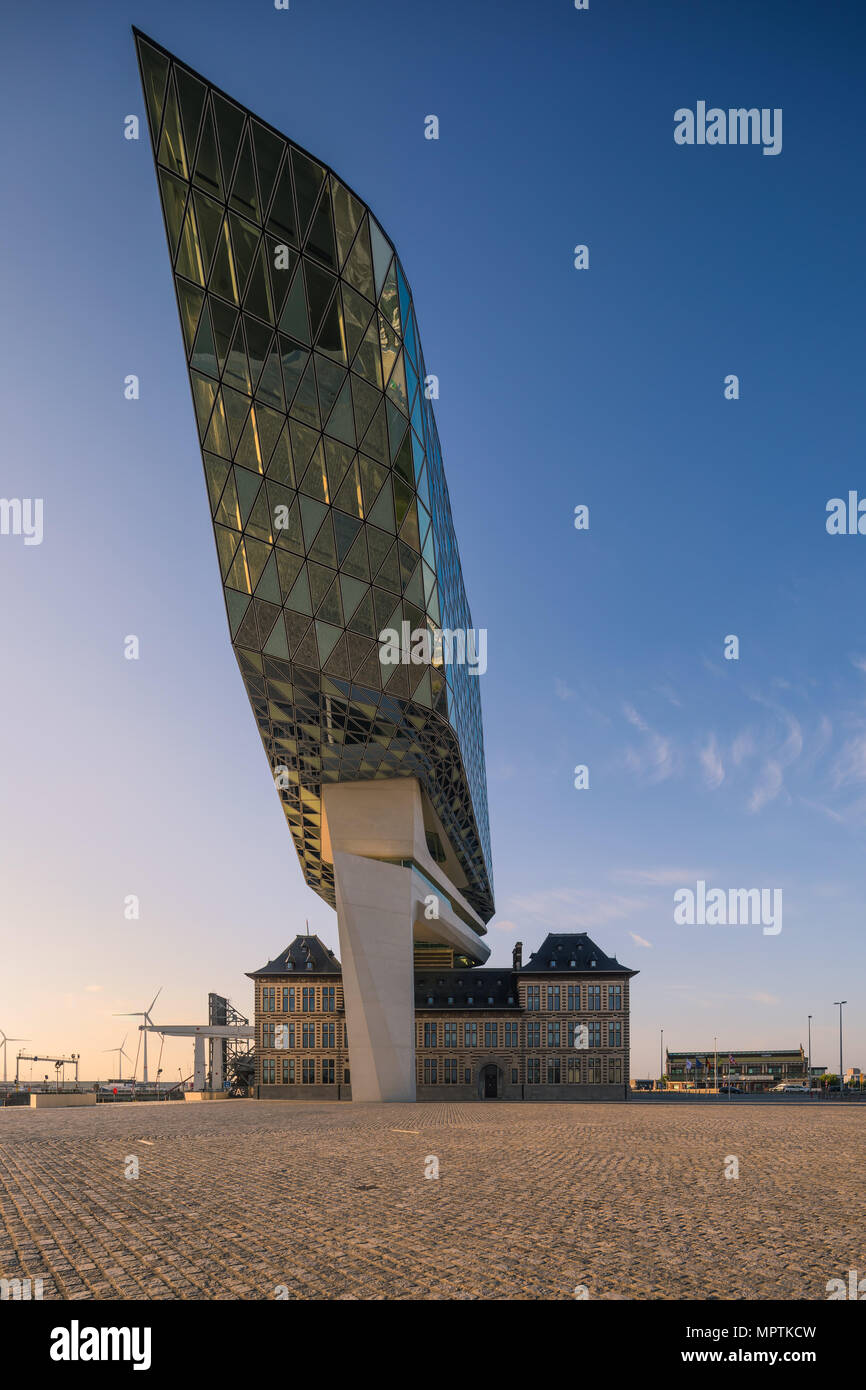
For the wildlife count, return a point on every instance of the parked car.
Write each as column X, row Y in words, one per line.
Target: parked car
column 790, row 1089
column 731, row 1090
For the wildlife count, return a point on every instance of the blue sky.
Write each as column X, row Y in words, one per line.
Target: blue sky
column 558, row 387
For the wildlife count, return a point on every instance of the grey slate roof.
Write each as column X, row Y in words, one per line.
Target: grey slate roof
column 466, row 989
column 572, row 952
column 306, row 955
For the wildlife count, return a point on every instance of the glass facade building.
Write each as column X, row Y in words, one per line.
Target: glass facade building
column 323, row 467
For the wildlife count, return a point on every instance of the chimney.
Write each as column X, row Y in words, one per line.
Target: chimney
column 517, row 955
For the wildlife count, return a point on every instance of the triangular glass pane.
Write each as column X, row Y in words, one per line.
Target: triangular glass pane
column 189, row 260
column 288, row 568
column 280, row 466
column 154, row 73
column 299, row 598
column 268, row 586
column 237, row 409
column 320, row 287
column 389, row 303
column 216, row 470
column 327, row 638
column 244, row 196
column 323, row 548
column 223, row 320
column 229, row 123
column 315, row 480
column 236, row 368
column 217, row 437
column 276, row 644
column 294, row 360
column 248, row 485
column 373, row 477
column 376, row 439
column 270, row 387
column 281, row 261
column 207, row 166
column 227, row 544
column 356, row 562
column 223, row 280
column 237, row 605
column 321, row 580
column 172, row 151
column 329, row 378
column 363, row 619
column 332, row 337
column 345, row 531
column 397, row 386
column 358, row 269
column 368, row 361
column 204, row 357
column 228, row 513
column 309, row 178
column 204, row 394
column 382, row 254
column 348, row 498
column 283, row 221
column 294, row 319
column 245, row 239
column 190, row 301
column 320, row 241
column 209, row 216
column 191, row 94
column 304, row 442
column 305, row 405
column 403, row 460
column 312, row 513
column 268, row 149
column 173, row 203
column 397, row 428
column 347, row 216
column 341, row 423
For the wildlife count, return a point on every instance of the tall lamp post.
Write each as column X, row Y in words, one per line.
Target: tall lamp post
column 662, row 1060
column 809, row 1067
column 837, row 1004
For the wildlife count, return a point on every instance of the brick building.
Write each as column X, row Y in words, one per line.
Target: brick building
column 555, row 1028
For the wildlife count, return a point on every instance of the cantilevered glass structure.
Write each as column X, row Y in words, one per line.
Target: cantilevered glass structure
column 325, row 480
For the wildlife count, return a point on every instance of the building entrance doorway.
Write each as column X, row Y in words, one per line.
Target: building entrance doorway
column 490, row 1091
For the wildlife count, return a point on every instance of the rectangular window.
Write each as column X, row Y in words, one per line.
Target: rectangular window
column 268, row 1035
column 288, row 1071
column 450, row 1077
column 329, row 999
column 553, row 1072
column 450, row 1036
column 614, row 997
column 431, row 1071
column 553, row 1031
column 308, row 999
column 595, row 1034
column 347, row 1076
column 533, row 997
column 514, row 1076
column 614, row 1033
column 328, row 1066
column 308, row 1073
column 593, row 1068
column 328, row 1031
column 593, row 996
column 470, row 1035
column 533, row 1035
column 289, row 999
column 269, row 1067
column 553, row 998
column 268, row 997
column 308, row 1035
column 511, row 1035
column 572, row 1073
column 491, row 1035
column 574, row 999
column 467, row 1076
column 431, row 1034
column 614, row 1071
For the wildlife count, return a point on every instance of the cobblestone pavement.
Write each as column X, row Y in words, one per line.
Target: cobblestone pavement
column 237, row 1198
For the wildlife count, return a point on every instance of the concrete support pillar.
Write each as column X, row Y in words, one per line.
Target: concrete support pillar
column 388, row 890
column 198, row 1082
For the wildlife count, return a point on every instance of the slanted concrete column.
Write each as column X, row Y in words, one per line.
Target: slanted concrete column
column 198, row 1080
column 381, row 907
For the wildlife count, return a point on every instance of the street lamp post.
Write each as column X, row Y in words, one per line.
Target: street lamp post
column 662, row 1060
column 837, row 1004
column 809, row 1066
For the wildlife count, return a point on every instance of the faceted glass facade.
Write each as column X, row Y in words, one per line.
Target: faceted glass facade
column 323, row 467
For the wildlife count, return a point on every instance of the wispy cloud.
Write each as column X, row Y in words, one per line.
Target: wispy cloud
column 640, row 941
column 574, row 909
column 711, row 762
column 561, row 690
column 664, row 876
column 768, row 786
column 505, row 925
column 656, row 759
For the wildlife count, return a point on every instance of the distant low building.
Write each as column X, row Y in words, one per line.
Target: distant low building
column 750, row 1071
column 556, row 1028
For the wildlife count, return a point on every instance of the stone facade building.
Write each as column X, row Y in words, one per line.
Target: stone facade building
column 555, row 1028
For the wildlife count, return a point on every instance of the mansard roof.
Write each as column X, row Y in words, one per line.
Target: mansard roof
column 572, row 952
column 305, row 955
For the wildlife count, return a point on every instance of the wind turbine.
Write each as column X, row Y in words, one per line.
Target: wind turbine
column 3, row 1041
column 120, row 1055
column 145, row 1014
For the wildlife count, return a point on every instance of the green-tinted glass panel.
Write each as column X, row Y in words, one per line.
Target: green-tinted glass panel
column 348, row 498
column 368, row 361
column 223, row 279
column 305, row 405
column 209, row 217
column 293, row 319
column 154, row 72
column 173, row 202
column 358, row 269
column 172, row 151
column 191, row 94
column 258, row 343
column 389, row 302
column 270, row 387
column 237, row 371
column 245, row 196
column 347, row 217
column 281, row 265
column 204, row 357
column 309, row 178
column 341, row 422
column 216, row 471
column 189, row 259
column 373, row 479
column 280, row 466
column 375, row 441
column 283, row 221
column 268, row 151
column 258, row 295
column 245, row 239
column 223, row 320
column 332, row 339
column 356, row 562
column 190, row 301
column 381, row 254
column 329, row 378
column 320, row 287
column 207, row 165
column 229, row 124
column 320, row 241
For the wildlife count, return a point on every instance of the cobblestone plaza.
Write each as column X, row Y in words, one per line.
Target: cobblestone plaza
column 271, row 1199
